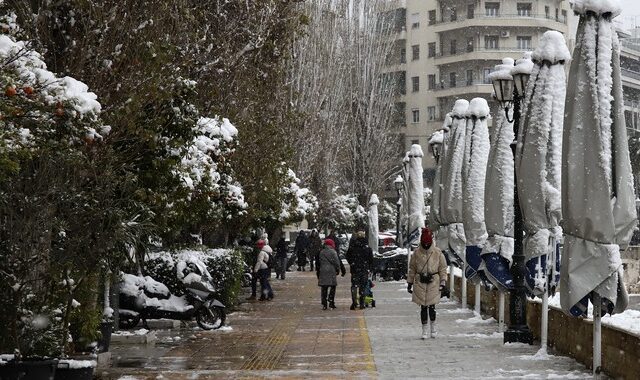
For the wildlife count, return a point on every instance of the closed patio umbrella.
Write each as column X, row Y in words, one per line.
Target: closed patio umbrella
column 598, row 200
column 438, row 142
column 538, row 157
column 474, row 171
column 373, row 222
column 415, row 189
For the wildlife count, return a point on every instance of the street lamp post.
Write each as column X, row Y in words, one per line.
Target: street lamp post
column 399, row 185
column 511, row 92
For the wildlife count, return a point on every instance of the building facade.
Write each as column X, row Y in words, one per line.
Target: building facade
column 445, row 50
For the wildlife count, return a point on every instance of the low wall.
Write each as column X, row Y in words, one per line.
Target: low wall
column 570, row 336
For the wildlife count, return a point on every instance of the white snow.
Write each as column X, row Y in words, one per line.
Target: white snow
column 523, row 65
column 598, row 6
column 437, row 138
column 460, row 108
column 552, row 47
column 478, row 107
column 503, row 71
column 76, row 364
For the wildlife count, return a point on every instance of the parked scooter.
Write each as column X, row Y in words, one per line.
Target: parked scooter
column 153, row 301
column 247, row 276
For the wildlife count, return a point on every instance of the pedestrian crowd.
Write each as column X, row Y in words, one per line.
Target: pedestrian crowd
column 426, row 277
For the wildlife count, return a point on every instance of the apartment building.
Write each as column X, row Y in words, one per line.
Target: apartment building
column 445, row 49
column 630, row 70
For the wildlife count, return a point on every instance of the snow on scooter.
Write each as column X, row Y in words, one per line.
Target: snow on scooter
column 145, row 298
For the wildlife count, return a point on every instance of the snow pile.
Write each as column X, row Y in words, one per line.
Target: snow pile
column 597, row 6
column 437, row 138
column 392, row 253
column 629, row 320
column 503, row 71
column 524, row 65
column 460, row 108
column 478, row 107
column 76, row 364
column 552, row 48
column 135, row 285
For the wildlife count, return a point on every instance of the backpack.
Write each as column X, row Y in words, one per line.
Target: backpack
column 270, row 259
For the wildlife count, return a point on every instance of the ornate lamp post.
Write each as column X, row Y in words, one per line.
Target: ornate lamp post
column 510, row 92
column 399, row 185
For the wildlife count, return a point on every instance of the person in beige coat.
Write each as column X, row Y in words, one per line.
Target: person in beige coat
column 426, row 280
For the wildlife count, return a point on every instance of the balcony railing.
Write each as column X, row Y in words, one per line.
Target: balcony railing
column 460, row 18
column 468, row 50
column 631, row 43
column 460, row 84
column 631, row 74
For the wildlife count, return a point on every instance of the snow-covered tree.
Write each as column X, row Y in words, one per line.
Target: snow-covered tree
column 297, row 202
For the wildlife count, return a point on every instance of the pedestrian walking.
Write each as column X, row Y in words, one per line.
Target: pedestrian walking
column 281, row 258
column 426, row 280
column 360, row 259
column 262, row 271
column 300, row 249
column 328, row 267
column 334, row 236
column 315, row 245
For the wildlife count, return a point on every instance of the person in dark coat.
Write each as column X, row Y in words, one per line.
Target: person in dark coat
column 360, row 258
column 281, row 258
column 300, row 249
column 328, row 267
column 315, row 245
column 334, row 237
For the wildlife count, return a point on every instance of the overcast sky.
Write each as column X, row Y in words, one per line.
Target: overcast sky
column 630, row 16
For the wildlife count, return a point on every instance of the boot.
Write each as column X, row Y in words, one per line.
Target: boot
column 353, row 306
column 332, row 305
column 425, row 331
column 434, row 333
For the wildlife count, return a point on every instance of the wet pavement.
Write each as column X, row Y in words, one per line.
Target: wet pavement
column 291, row 337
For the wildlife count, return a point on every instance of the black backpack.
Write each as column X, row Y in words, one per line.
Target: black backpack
column 270, row 260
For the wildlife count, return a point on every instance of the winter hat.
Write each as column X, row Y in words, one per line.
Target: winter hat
column 260, row 244
column 330, row 243
column 426, row 238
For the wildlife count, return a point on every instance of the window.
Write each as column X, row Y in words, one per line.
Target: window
column 415, row 84
column 453, row 49
column 415, row 20
column 485, row 76
column 452, row 80
column 469, row 44
column 415, row 116
column 432, row 17
column 492, row 9
column 524, row 42
column 557, row 14
column 546, row 11
column 564, row 16
column 415, row 142
column 524, row 9
column 469, row 77
column 454, row 14
column 471, row 8
column 491, row 42
column 415, row 52
column 432, row 81
column 403, row 55
column 432, row 49
column 431, row 112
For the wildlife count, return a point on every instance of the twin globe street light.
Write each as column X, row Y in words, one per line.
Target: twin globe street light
column 510, row 92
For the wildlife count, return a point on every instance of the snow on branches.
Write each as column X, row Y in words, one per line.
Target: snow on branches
column 298, row 202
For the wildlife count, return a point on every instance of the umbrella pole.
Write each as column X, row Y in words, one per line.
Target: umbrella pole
column 597, row 335
column 463, row 299
column 477, row 297
column 501, row 312
column 451, row 279
column 545, row 321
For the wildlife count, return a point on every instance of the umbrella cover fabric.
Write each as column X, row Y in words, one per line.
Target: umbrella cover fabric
column 598, row 200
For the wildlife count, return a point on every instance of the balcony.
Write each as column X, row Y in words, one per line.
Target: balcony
column 503, row 20
column 630, row 78
column 480, row 53
column 464, row 89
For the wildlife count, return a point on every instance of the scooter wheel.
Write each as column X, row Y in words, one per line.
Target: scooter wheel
column 212, row 318
column 128, row 321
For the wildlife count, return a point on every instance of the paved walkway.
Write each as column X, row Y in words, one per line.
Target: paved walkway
column 292, row 338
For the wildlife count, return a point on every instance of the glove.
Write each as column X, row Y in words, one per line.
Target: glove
column 441, row 288
column 343, row 273
column 409, row 286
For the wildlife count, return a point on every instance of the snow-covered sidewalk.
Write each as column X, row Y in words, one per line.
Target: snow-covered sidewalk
column 467, row 346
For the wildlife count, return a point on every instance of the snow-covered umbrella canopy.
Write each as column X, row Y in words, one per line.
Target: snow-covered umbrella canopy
column 474, row 170
column 373, row 222
column 497, row 251
column 451, row 177
column 538, row 159
column 438, row 142
column 598, row 207
column 415, row 189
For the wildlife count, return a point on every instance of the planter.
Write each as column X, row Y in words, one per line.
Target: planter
column 106, row 328
column 75, row 370
column 28, row 370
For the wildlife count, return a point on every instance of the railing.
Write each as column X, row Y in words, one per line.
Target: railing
column 480, row 49
column 459, row 18
column 630, row 74
column 446, row 86
column 631, row 43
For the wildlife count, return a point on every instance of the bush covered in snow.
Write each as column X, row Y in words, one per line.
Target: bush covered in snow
column 343, row 213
